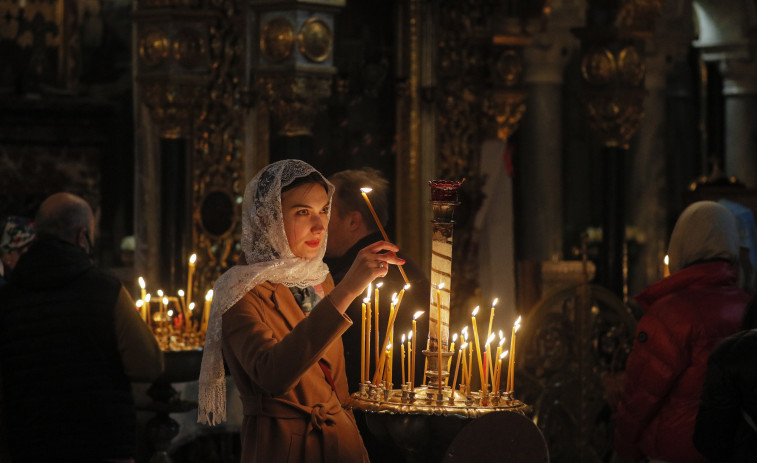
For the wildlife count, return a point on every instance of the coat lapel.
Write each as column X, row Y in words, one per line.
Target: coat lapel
column 284, row 302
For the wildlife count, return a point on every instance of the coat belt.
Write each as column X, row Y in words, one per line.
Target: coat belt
column 319, row 415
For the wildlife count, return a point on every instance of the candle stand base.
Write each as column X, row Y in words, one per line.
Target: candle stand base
column 421, row 424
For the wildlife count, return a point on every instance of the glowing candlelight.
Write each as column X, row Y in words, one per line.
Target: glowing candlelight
column 495, row 370
column 488, row 361
column 511, row 367
column 402, row 347
column 388, row 372
column 165, row 307
column 478, row 346
column 439, row 333
column 392, row 316
column 140, row 304
column 191, row 311
column 410, row 357
column 491, row 318
column 190, row 272
column 364, row 191
column 367, row 338
column 206, row 311
column 666, row 267
column 415, row 348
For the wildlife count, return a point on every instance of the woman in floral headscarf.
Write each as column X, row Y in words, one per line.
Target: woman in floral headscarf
column 17, row 235
column 279, row 319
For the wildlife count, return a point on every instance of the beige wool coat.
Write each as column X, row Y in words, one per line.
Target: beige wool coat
column 273, row 351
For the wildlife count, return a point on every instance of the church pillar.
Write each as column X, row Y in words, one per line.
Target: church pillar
column 540, row 176
column 740, row 95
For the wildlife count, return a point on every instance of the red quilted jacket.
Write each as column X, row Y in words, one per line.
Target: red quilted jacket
column 686, row 315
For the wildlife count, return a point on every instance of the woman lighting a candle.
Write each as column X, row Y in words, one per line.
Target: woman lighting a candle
column 279, row 321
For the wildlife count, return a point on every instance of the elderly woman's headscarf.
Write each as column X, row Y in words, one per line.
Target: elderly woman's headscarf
column 269, row 258
column 705, row 231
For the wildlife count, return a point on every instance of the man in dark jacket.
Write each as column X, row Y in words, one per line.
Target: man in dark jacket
column 725, row 426
column 351, row 228
column 70, row 342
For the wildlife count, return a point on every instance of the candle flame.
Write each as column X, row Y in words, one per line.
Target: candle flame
column 465, row 335
column 170, row 313
column 494, row 302
column 147, row 297
column 417, row 314
column 191, row 306
column 379, row 284
column 370, row 288
column 666, row 259
column 454, row 337
column 490, row 339
column 475, row 311
column 441, row 285
column 160, row 293
column 181, row 293
column 141, row 282
column 388, row 347
column 209, row 295
column 516, row 326
column 406, row 287
column 365, row 189
column 501, row 341
column 465, row 344
column 140, row 303
column 192, row 259
column 464, row 330
column 394, row 298
column 403, row 339
column 410, row 335
column 366, row 300
column 504, row 354
column 165, row 301
column 501, row 335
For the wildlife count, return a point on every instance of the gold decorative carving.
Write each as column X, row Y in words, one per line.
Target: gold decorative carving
column 615, row 115
column 154, row 47
column 507, row 108
column 295, row 100
column 509, row 67
column 639, row 15
column 188, row 48
column 631, row 66
column 316, row 40
column 277, row 39
column 598, row 66
column 173, row 106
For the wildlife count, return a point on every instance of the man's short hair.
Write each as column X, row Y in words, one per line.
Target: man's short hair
column 348, row 184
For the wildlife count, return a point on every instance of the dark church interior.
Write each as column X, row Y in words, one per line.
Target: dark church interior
column 580, row 130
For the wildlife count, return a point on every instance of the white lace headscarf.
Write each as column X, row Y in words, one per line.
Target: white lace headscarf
column 269, row 258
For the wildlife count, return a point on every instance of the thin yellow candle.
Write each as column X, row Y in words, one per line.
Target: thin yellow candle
column 495, row 372
column 402, row 347
column 190, row 273
column 489, row 361
column 362, row 344
column 457, row 367
column 376, row 315
column 449, row 360
column 364, row 192
column 439, row 334
column 478, row 346
column 466, row 370
column 367, row 339
column 491, row 318
column 390, row 359
column 388, row 371
column 499, row 368
column 415, row 348
column 183, row 308
column 206, row 311
column 425, row 362
column 511, row 367
column 191, row 311
column 410, row 357
column 390, row 325
column 148, row 319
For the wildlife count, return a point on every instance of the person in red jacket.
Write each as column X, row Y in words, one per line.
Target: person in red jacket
column 685, row 316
